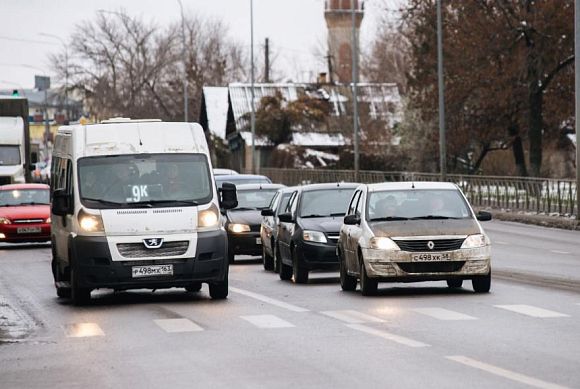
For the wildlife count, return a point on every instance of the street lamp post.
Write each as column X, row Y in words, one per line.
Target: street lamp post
column 253, row 114
column 442, row 149
column 355, row 91
column 184, row 58
column 577, row 87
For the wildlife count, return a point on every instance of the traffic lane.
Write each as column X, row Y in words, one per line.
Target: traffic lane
column 130, row 347
column 460, row 322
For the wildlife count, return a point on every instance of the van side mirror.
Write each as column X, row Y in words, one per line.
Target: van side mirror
column 267, row 212
column 228, row 196
column 286, row 218
column 352, row 220
column 483, row 216
column 61, row 203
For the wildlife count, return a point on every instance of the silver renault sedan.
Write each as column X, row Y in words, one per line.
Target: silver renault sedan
column 413, row 231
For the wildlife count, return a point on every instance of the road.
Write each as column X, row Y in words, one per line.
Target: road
column 271, row 333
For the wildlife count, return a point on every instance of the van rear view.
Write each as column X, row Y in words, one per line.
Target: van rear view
column 134, row 205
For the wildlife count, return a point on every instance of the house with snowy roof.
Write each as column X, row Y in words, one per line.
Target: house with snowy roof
column 224, row 114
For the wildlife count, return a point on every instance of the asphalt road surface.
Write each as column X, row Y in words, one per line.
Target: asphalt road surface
column 270, row 333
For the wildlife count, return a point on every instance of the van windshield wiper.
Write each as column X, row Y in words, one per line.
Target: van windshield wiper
column 433, row 217
column 33, row 203
column 388, row 218
column 101, row 201
column 164, row 202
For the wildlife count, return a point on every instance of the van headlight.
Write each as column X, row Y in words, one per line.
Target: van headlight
column 314, row 236
column 208, row 218
column 383, row 243
column 89, row 222
column 475, row 241
column 238, row 228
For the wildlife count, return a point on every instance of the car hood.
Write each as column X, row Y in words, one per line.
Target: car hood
column 25, row 212
column 324, row 224
column 425, row 227
column 250, row 217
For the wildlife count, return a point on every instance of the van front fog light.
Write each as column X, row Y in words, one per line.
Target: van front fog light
column 90, row 223
column 208, row 218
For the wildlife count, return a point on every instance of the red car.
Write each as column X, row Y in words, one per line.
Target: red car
column 24, row 213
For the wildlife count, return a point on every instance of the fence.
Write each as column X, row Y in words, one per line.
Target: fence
column 539, row 195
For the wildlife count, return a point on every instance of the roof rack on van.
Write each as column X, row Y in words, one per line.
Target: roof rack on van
column 128, row 120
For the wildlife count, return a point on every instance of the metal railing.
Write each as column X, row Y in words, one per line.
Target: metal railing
column 538, row 195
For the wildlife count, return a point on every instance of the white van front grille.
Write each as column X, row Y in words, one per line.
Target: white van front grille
column 132, row 212
column 138, row 250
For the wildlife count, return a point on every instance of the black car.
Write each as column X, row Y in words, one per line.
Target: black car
column 241, row 179
column 269, row 229
column 308, row 231
column 243, row 222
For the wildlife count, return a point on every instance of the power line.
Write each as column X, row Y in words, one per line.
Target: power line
column 8, row 38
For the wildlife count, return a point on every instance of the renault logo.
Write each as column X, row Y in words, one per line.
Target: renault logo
column 430, row 245
column 153, row 243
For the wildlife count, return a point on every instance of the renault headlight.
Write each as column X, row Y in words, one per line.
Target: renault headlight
column 383, row 243
column 475, row 241
column 208, row 218
column 89, row 222
column 5, row 220
column 314, row 236
column 238, row 228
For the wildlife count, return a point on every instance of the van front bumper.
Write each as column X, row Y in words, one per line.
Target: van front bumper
column 95, row 268
column 399, row 266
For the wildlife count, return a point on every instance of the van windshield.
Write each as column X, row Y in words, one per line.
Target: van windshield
column 144, row 180
column 9, row 155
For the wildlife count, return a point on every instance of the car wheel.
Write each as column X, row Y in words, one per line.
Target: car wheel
column 276, row 257
column 347, row 282
column 79, row 295
column 368, row 286
column 299, row 272
column 454, row 283
column 194, row 287
column 285, row 271
column 60, row 291
column 267, row 259
column 482, row 284
column 219, row 290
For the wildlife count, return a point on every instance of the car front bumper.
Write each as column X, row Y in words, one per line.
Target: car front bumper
column 400, row 266
column 10, row 233
column 317, row 256
column 246, row 243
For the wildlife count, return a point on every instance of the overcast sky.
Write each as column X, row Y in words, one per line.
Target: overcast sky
column 296, row 29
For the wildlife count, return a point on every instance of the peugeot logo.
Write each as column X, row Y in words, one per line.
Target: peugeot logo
column 153, row 243
column 430, row 245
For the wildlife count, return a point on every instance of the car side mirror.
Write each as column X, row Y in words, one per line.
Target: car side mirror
column 228, row 196
column 267, row 212
column 286, row 218
column 484, row 216
column 352, row 220
column 61, row 203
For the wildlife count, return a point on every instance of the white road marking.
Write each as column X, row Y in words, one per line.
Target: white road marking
column 386, row 335
column 267, row 321
column 531, row 311
column 352, row 317
column 560, row 252
column 504, row 373
column 83, row 330
column 268, row 300
column 443, row 314
column 177, row 325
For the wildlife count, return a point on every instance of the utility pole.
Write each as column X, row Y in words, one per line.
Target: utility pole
column 442, row 150
column 184, row 58
column 354, row 91
column 267, row 59
column 577, row 86
column 329, row 61
column 253, row 116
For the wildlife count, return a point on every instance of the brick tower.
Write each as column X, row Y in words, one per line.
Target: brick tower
column 338, row 15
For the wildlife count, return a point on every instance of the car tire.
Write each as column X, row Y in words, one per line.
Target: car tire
column 455, row 283
column 300, row 273
column 347, row 282
column 482, row 284
column 79, row 295
column 194, row 287
column 285, row 271
column 276, row 257
column 267, row 259
column 60, row 291
column 219, row 290
column 368, row 286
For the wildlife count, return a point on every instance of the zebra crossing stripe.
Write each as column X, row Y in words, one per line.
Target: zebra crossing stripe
column 267, row 321
column 177, row 325
column 443, row 314
column 352, row 317
column 532, row 311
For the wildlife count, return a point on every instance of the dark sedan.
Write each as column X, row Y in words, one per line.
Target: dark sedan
column 243, row 222
column 308, row 230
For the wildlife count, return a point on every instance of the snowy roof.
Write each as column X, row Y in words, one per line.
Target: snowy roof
column 247, row 137
column 313, row 139
column 216, row 103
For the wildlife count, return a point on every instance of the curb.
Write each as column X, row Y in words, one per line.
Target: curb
column 561, row 222
column 534, row 279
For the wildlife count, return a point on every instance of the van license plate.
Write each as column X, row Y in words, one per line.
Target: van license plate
column 28, row 230
column 258, row 240
column 430, row 257
column 152, row 271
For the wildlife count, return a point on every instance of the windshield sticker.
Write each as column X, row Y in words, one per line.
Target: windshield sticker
column 139, row 192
